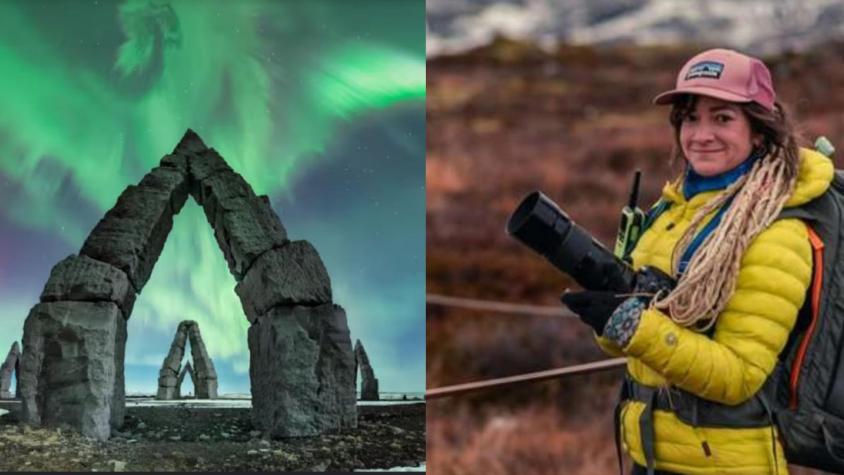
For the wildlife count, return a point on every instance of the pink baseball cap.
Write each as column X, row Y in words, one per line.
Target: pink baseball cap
column 724, row 74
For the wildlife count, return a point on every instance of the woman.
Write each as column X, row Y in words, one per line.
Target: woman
column 699, row 355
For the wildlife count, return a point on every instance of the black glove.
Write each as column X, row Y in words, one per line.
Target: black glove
column 594, row 307
column 651, row 281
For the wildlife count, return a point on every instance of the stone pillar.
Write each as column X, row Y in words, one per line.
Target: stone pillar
column 302, row 371
column 67, row 369
column 118, row 400
column 369, row 383
column 169, row 373
column 206, row 376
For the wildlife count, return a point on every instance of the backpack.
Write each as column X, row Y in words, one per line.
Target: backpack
column 809, row 405
column 804, row 396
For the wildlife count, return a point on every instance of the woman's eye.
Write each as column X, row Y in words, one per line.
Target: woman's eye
column 691, row 118
column 723, row 118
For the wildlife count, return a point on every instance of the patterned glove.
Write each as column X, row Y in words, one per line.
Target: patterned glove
column 624, row 321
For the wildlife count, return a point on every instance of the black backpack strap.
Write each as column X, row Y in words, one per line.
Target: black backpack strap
column 649, row 396
column 623, row 395
column 647, row 434
column 763, row 398
column 798, row 212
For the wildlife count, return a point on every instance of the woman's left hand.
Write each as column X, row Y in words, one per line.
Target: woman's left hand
column 594, row 307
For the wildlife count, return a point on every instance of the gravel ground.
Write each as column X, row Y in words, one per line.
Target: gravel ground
column 183, row 438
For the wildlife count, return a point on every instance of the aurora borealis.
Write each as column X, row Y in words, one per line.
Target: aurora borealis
column 318, row 104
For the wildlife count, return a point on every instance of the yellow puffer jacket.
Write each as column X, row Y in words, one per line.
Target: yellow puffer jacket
column 731, row 366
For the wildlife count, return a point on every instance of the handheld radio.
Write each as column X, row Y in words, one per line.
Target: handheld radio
column 630, row 226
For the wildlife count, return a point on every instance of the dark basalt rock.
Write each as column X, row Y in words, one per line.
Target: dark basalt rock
column 86, row 279
column 205, row 164
column 68, row 365
column 189, row 144
column 302, row 371
column 369, row 383
column 132, row 234
column 206, row 377
column 172, row 182
column 245, row 228
column 290, row 275
column 10, row 366
column 202, row 373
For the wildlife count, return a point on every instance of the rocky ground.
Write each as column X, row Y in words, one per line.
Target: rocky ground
column 185, row 438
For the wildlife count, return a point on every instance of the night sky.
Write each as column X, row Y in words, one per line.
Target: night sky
column 318, row 104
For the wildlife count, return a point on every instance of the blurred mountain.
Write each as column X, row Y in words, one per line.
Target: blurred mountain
column 759, row 27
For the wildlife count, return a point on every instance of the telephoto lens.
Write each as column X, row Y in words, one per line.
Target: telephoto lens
column 542, row 226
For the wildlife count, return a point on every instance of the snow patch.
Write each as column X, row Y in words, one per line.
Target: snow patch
column 418, row 468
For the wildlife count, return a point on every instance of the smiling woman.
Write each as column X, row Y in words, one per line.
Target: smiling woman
column 742, row 272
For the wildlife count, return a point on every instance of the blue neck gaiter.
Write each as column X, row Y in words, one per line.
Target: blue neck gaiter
column 695, row 183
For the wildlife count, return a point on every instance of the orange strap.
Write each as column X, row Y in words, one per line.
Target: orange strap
column 815, row 286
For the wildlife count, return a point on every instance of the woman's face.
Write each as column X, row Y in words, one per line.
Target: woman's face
column 715, row 136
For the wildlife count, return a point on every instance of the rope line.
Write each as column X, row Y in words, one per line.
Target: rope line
column 587, row 368
column 512, row 308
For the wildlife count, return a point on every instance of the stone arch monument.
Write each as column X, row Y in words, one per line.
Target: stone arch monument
column 301, row 361
column 204, row 376
column 186, row 370
column 11, row 365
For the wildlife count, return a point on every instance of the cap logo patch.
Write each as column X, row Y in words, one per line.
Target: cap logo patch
column 705, row 69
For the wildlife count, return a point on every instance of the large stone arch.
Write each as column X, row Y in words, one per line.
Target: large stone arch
column 301, row 360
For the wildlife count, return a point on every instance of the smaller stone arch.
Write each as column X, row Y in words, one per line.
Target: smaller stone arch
column 187, row 369
column 369, row 383
column 203, row 374
column 10, row 365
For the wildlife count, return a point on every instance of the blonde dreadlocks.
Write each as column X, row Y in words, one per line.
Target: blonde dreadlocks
column 710, row 279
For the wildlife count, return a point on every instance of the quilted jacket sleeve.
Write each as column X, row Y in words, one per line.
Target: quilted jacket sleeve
column 751, row 331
